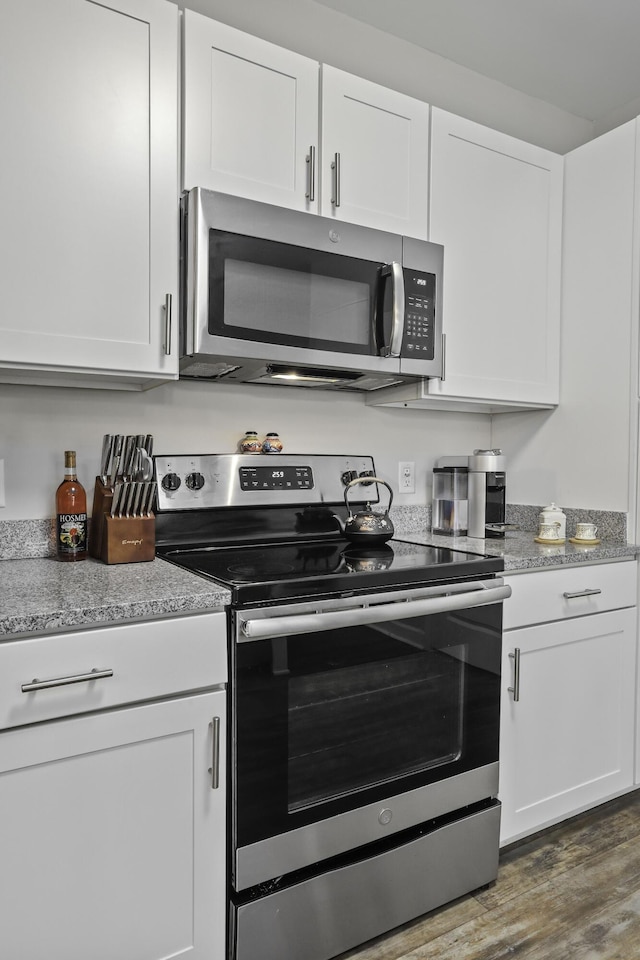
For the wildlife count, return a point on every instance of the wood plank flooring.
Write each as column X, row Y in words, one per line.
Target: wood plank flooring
column 569, row 893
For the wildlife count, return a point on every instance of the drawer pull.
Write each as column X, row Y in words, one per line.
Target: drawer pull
column 581, row 593
column 65, row 681
column 515, row 689
column 214, row 769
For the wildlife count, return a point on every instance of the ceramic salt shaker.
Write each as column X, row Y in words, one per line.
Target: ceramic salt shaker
column 250, row 443
column 553, row 514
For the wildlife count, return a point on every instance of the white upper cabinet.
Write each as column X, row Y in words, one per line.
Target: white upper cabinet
column 250, row 114
column 375, row 155
column 89, row 236
column 252, row 127
column 496, row 205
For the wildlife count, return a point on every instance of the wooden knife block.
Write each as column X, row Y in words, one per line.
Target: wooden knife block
column 119, row 539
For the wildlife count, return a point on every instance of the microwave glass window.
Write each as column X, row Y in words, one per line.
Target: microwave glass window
column 272, row 292
column 295, row 304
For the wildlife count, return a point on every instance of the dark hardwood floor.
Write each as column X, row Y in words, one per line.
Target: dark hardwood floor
column 569, row 893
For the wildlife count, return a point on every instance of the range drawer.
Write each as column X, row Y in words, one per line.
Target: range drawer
column 544, row 595
column 133, row 662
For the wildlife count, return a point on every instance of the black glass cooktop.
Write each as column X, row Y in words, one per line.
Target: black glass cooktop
column 287, row 571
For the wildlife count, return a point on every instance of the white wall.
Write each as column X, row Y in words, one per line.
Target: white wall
column 38, row 423
column 325, row 35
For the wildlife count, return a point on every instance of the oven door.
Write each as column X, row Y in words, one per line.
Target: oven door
column 357, row 718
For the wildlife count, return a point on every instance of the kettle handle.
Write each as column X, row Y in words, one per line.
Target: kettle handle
column 367, row 480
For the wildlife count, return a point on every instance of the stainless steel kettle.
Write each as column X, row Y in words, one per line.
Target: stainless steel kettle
column 367, row 526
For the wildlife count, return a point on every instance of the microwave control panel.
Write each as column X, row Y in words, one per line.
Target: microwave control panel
column 419, row 315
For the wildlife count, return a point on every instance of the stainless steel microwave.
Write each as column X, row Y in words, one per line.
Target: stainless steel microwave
column 271, row 295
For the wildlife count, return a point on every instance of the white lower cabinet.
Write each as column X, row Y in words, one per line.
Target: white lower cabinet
column 567, row 737
column 113, row 824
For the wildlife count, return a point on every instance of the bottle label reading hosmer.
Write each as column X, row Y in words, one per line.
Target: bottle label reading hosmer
column 72, row 533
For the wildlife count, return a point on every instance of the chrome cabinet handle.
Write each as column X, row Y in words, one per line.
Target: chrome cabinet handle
column 168, row 301
column 581, row 593
column 444, row 358
column 335, row 167
column 515, row 689
column 65, row 681
column 311, row 174
column 214, row 769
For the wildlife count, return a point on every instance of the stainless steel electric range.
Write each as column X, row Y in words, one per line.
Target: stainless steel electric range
column 364, row 702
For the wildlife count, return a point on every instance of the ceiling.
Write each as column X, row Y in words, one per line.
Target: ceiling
column 580, row 55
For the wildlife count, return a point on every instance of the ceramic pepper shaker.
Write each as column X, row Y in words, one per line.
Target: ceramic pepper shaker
column 272, row 443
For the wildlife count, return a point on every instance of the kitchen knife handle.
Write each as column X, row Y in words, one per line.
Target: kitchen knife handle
column 214, row 769
column 335, row 168
column 35, row 684
column 168, row 302
column 515, row 689
column 311, row 174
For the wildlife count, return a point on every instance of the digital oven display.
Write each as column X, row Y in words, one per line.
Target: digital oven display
column 276, row 478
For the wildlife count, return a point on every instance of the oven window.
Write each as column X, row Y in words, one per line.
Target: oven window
column 262, row 290
column 326, row 722
column 365, row 723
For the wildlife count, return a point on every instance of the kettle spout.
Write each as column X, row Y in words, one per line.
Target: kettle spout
column 340, row 523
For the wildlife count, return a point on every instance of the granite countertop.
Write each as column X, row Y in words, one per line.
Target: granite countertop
column 521, row 553
column 42, row 595
column 45, row 596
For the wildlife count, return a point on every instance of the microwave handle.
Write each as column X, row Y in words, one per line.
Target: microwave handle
column 394, row 270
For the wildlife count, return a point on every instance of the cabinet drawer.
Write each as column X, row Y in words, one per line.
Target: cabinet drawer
column 541, row 596
column 137, row 661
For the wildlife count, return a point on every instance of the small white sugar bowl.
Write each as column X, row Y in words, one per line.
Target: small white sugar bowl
column 553, row 514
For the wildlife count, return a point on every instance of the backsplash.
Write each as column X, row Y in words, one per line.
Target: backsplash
column 28, row 539
column 611, row 526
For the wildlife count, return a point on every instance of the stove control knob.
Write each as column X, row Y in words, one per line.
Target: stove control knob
column 348, row 476
column 194, row 481
column 366, row 473
column 170, row 481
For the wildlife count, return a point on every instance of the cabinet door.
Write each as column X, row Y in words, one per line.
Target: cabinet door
column 250, row 115
column 112, row 837
column 496, row 205
column 375, row 155
column 88, row 244
column 567, row 743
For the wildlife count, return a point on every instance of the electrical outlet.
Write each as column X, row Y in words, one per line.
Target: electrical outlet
column 2, row 500
column 406, row 477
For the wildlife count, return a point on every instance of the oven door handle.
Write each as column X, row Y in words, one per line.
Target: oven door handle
column 479, row 595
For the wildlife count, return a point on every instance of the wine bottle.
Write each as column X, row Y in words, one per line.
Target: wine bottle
column 71, row 510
